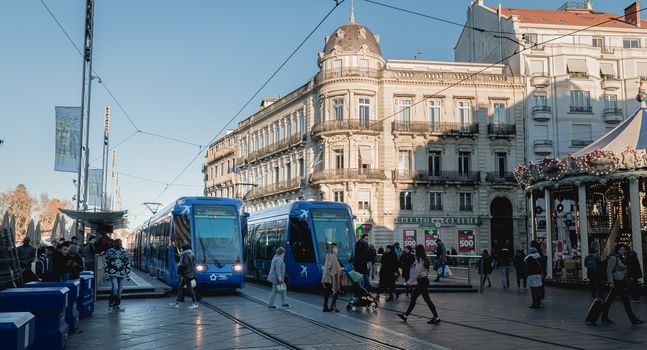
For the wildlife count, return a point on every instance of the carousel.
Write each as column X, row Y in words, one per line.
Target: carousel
column 592, row 199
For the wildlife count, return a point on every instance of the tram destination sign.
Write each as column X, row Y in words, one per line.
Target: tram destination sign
column 433, row 221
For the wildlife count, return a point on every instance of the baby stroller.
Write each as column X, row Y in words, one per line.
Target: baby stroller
column 360, row 296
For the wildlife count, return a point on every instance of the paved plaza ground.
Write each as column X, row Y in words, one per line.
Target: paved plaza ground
column 496, row 319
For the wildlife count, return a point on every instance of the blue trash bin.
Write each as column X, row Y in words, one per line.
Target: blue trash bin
column 17, row 330
column 85, row 302
column 72, row 312
column 48, row 304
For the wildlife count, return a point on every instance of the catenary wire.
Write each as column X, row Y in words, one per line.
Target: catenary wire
column 337, row 3
column 105, row 86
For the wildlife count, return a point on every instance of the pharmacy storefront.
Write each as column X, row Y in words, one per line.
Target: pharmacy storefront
column 456, row 232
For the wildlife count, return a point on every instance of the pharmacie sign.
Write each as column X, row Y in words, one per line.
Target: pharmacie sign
column 438, row 221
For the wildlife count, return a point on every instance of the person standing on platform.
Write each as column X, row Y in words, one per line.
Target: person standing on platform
column 634, row 275
column 617, row 278
column 534, row 270
column 593, row 272
column 419, row 278
column 361, row 259
column 117, row 268
column 406, row 262
column 87, row 253
column 276, row 276
column 520, row 268
column 26, row 253
column 331, row 278
column 441, row 258
column 64, row 265
column 186, row 275
column 503, row 264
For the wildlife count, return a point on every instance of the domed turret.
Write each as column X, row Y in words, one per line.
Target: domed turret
column 352, row 38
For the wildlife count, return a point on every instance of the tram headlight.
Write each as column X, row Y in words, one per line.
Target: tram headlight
column 201, row 268
column 238, row 268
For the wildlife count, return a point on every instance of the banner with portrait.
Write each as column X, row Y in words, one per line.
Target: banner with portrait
column 67, row 151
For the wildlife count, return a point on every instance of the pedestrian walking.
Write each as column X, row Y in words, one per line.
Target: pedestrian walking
column 276, row 277
column 594, row 272
column 520, row 268
column 484, row 267
column 406, row 262
column 441, row 259
column 372, row 261
column 117, row 268
column 634, row 275
column 503, row 264
column 419, row 278
column 454, row 259
column 534, row 269
column 617, row 279
column 331, row 278
column 361, row 258
column 388, row 272
column 186, row 275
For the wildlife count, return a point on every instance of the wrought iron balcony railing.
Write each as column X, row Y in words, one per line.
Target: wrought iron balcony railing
column 497, row 129
column 347, row 125
column 581, row 109
column 348, row 173
column 435, row 127
column 498, row 177
column 441, row 176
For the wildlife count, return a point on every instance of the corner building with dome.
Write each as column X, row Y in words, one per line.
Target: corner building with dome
column 418, row 149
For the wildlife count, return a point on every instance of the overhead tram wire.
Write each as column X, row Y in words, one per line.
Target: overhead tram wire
column 337, row 3
column 105, row 86
column 155, row 181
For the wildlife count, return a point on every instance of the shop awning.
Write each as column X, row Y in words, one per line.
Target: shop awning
column 607, row 69
column 366, row 154
column 577, row 66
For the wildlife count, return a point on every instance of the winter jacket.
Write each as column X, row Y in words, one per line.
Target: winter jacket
column 503, row 258
column 634, row 271
column 487, row 265
column 373, row 255
column 389, row 266
column 186, row 267
column 592, row 263
column 441, row 252
column 332, row 272
column 616, row 268
column 406, row 262
column 87, row 252
column 65, row 264
column 117, row 263
column 519, row 265
column 26, row 254
column 104, row 244
column 533, row 265
column 362, row 257
column 277, row 270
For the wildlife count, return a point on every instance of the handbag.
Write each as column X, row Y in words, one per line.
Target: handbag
column 193, row 283
column 280, row 287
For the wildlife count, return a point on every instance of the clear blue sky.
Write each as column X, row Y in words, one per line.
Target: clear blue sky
column 179, row 68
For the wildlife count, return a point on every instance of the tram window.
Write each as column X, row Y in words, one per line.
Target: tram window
column 280, row 230
column 301, row 241
column 181, row 234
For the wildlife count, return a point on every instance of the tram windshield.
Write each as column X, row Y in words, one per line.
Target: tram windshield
column 333, row 225
column 217, row 234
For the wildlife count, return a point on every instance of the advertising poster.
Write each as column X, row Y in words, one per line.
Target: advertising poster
column 68, row 139
column 409, row 238
column 466, row 243
column 430, row 240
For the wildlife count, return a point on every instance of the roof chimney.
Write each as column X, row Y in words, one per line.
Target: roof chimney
column 632, row 14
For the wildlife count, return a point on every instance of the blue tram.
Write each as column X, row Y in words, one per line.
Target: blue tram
column 304, row 229
column 212, row 226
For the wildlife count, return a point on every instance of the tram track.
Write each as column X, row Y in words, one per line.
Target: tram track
column 250, row 326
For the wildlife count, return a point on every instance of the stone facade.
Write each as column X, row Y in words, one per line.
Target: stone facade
column 413, row 147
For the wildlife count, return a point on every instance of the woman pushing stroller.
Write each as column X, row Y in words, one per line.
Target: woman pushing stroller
column 419, row 277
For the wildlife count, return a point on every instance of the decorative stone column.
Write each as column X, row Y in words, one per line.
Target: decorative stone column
column 584, row 225
column 549, row 235
column 636, row 233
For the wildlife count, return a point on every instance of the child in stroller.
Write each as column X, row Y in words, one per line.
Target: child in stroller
column 360, row 296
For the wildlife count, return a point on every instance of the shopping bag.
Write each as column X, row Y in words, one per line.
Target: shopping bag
column 447, row 272
column 280, row 287
column 193, row 284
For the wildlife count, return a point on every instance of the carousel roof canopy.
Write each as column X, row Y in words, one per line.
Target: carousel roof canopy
column 632, row 133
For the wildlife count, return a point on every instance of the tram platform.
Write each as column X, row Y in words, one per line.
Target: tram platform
column 140, row 285
column 495, row 319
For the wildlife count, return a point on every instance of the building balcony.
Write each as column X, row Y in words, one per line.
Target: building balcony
column 352, row 174
column 612, row 115
column 240, row 160
column 540, row 81
column 292, row 141
column 543, row 146
column 611, row 84
column 221, row 179
column 347, row 125
column 501, row 178
column 501, row 130
column 446, row 129
column 581, row 109
column 580, row 143
column 441, row 176
column 542, row 113
column 347, row 72
column 280, row 187
column 607, row 50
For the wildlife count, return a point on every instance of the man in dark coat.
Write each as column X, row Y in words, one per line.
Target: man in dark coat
column 388, row 271
column 26, row 253
column 441, row 258
column 64, row 264
column 361, row 259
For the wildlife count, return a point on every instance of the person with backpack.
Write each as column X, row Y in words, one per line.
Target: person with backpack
column 186, row 274
column 419, row 278
column 617, row 279
column 594, row 273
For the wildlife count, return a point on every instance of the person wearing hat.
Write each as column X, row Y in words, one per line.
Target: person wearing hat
column 534, row 274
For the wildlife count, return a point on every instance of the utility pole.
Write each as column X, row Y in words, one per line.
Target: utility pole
column 104, row 176
column 89, row 30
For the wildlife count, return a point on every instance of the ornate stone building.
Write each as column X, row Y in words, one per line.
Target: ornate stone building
column 416, row 148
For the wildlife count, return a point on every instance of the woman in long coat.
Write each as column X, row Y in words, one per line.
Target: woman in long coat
column 331, row 278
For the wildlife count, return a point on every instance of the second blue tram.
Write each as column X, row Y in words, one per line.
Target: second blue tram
column 212, row 226
column 304, row 229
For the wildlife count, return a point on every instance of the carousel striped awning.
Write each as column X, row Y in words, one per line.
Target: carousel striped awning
column 630, row 133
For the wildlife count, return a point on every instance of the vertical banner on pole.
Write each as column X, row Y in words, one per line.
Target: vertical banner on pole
column 430, row 240
column 409, row 238
column 95, row 184
column 68, row 139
